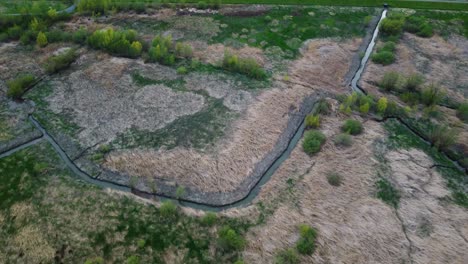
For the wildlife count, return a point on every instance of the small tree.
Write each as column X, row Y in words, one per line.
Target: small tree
column 41, row 39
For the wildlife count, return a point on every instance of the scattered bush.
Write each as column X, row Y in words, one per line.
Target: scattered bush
column 442, row 136
column 60, row 62
column 383, row 57
column 229, row 239
column 382, row 105
column 343, row 139
column 17, row 87
column 168, row 208
column 387, row 192
column 123, row 43
column 462, row 112
column 209, row 219
column 432, row 95
column 312, row 121
column 306, row 243
column 334, row 179
column 352, row 127
column 41, row 40
column 246, row 66
column 313, row 141
column 287, row 256
column 413, row 82
column 389, row 81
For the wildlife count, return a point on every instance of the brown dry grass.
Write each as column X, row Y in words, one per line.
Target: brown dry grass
column 31, row 242
column 214, row 54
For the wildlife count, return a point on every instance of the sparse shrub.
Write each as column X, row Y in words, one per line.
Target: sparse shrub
column 246, row 66
column 419, row 25
column 230, row 240
column 413, row 82
column 133, row 260
column 240, row 261
column 161, row 50
column 287, row 256
column 313, row 141
column 60, row 62
column 432, row 95
column 57, row 36
column 182, row 70
column 352, row 127
column 306, row 243
column 382, row 105
column 180, row 192
column 462, row 112
column 36, row 25
column 141, row 243
column 183, row 50
column 17, row 86
column 202, row 5
column 323, row 107
column 168, row 208
column 383, row 57
column 389, row 81
column 14, row 32
column 28, row 37
column 123, row 43
column 425, row 31
column 432, row 111
column 93, row 6
column 52, row 13
column 135, row 49
column 312, row 121
column 195, row 63
column 3, row 37
column 343, row 139
column 209, row 219
column 387, row 192
column 411, row 98
column 80, row 36
column 334, row 179
column 442, row 136
column 96, row 260
column 41, row 40
column 389, row 46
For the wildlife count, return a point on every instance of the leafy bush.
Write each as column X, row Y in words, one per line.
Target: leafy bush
column 413, row 82
column 432, row 95
column 287, row 256
column 209, row 219
column 334, row 179
column 60, row 62
column 312, row 121
column 168, row 208
column 313, row 141
column 41, row 40
column 246, row 66
column 306, row 243
column 462, row 111
column 442, row 136
column 17, row 87
column 343, row 139
column 229, row 239
column 352, row 127
column 392, row 26
column 387, row 192
column 389, row 81
column 123, row 43
column 384, row 57
column 382, row 105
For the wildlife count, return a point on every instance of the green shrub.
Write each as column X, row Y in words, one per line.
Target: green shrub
column 387, row 192
column 312, row 121
column 93, row 6
column 382, row 105
column 334, row 179
column 209, row 219
column 287, row 256
column 141, row 243
column 41, row 40
column 28, row 37
column 168, row 208
column 432, row 95
column 419, row 26
column 182, row 70
column 14, row 32
column 343, row 139
column 383, row 57
column 364, row 108
column 313, row 141
column 323, row 107
column 413, row 82
column 60, row 62
column 389, row 81
column 57, row 36
column 96, row 260
column 183, row 50
column 17, row 87
column 3, row 37
column 389, row 46
column 411, row 98
column 161, row 50
column 135, row 49
column 202, row 5
column 80, row 36
column 229, row 239
column 306, row 243
column 392, row 26
column 352, row 127
column 123, row 43
column 462, row 112
column 246, row 66
column 133, row 260
column 180, row 192
column 442, row 136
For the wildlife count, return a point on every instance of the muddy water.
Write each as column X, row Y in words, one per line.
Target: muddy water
column 357, row 75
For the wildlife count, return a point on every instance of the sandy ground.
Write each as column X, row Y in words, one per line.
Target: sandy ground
column 353, row 225
column 252, row 136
